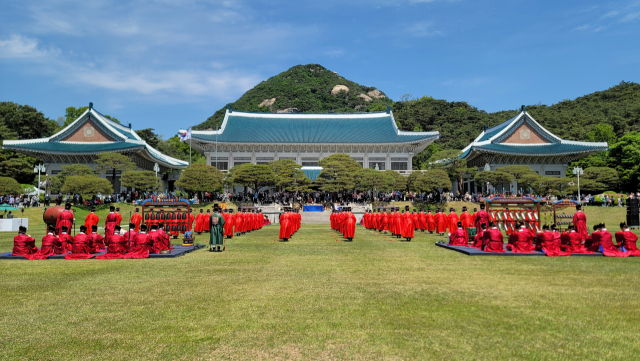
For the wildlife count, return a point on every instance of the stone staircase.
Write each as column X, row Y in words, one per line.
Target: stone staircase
column 315, row 217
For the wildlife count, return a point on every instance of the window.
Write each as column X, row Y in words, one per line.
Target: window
column 291, row 158
column 372, row 165
column 264, row 163
column 241, row 160
column 399, row 166
column 221, row 164
column 310, row 164
column 552, row 172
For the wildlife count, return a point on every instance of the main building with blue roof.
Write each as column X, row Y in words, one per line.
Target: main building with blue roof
column 523, row 141
column 372, row 139
column 91, row 134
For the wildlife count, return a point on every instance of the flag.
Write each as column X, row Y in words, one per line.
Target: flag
column 185, row 135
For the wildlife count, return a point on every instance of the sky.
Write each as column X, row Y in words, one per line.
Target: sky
column 167, row 64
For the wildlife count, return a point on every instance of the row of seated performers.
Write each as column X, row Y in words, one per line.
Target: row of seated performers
column 234, row 223
column 550, row 241
column 86, row 245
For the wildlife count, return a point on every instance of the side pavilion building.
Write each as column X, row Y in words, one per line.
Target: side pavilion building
column 523, row 141
column 371, row 139
column 91, row 134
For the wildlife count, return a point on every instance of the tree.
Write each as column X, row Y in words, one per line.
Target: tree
column 432, row 180
column 410, row 183
column 255, row 176
column 289, row 176
column 374, row 180
column 338, row 173
column 73, row 169
column 141, row 180
column 603, row 178
column 455, row 167
column 9, row 186
column 602, row 133
column 86, row 186
column 23, row 122
column 53, row 183
column 71, row 114
column 18, row 168
column 149, row 136
column 200, row 178
column 173, row 147
column 626, row 156
column 400, row 181
column 114, row 162
column 495, row 178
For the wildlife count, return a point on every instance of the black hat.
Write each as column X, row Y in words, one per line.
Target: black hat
column 623, row 224
column 22, row 229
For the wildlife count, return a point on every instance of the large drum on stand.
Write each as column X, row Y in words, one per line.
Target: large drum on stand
column 50, row 216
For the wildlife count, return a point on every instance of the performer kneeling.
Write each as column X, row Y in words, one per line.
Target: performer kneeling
column 143, row 245
column 23, row 244
column 606, row 244
column 116, row 246
column 81, row 247
column 627, row 240
column 459, row 237
column 494, row 239
column 51, row 245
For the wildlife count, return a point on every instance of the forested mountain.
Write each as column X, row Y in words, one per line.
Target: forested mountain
column 307, row 88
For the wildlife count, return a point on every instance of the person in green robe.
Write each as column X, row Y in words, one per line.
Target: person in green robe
column 216, row 237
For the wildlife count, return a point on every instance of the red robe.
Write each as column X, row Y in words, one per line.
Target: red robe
column 349, row 225
column 423, row 221
column 284, row 226
column 441, row 222
column 522, row 241
column 479, row 240
column 190, row 219
column 575, row 243
column 97, row 242
column 628, row 239
column 160, row 240
column 119, row 218
column 110, row 223
column 416, row 220
column 399, row 223
column 608, row 248
column 67, row 242
column 580, row 224
column 24, row 246
column 431, row 222
column 459, row 237
column 228, row 225
column 206, row 221
column 116, row 247
column 495, row 241
column 51, row 245
column 199, row 223
column 130, row 238
column 384, row 222
column 91, row 220
column 465, row 219
column 452, row 222
column 64, row 219
column 551, row 244
column 136, row 218
column 481, row 217
column 407, row 227
column 81, row 248
column 142, row 248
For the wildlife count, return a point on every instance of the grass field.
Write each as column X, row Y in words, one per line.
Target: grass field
column 318, row 297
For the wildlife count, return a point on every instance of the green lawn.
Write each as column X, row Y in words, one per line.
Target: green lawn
column 318, row 298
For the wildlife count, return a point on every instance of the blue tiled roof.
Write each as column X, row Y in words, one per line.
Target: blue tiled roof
column 540, row 150
column 125, row 133
column 62, row 147
column 292, row 128
column 495, row 130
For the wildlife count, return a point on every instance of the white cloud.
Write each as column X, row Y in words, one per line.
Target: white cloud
column 422, row 29
column 630, row 17
column 18, row 46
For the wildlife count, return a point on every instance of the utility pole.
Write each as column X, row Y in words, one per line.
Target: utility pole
column 577, row 171
column 39, row 168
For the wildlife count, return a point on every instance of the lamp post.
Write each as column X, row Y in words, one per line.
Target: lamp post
column 578, row 171
column 38, row 169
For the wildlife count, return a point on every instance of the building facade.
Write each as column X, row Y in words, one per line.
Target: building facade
column 91, row 134
column 371, row 139
column 523, row 141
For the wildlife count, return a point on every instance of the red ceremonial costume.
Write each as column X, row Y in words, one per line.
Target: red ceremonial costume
column 481, row 217
column 97, row 242
column 116, row 247
column 199, row 223
column 580, row 224
column 284, row 226
column 136, row 218
column 431, row 222
column 422, row 221
column 206, row 222
column 91, row 220
column 495, row 241
column 24, row 246
column 452, row 221
column 441, row 224
column 465, row 219
column 608, row 248
column 160, row 240
column 523, row 241
column 110, row 223
column 459, row 238
column 228, row 225
column 130, row 238
column 81, row 247
column 384, row 222
column 550, row 242
column 51, row 245
column 67, row 241
column 64, row 219
column 349, row 225
column 479, row 240
column 407, row 228
column 574, row 243
column 142, row 248
column 628, row 239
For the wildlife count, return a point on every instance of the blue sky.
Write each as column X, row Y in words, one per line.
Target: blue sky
column 166, row 64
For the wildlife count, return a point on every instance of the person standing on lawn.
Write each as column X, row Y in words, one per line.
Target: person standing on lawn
column 92, row 219
column 136, row 218
column 216, row 227
column 580, row 223
column 65, row 219
column 110, row 222
column 481, row 217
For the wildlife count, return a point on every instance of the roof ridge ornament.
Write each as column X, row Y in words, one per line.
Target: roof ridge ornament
column 90, row 105
column 229, row 108
column 524, row 108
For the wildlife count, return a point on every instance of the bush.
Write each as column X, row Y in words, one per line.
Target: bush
column 9, row 186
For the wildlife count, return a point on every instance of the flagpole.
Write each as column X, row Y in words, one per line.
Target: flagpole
column 190, row 144
column 216, row 147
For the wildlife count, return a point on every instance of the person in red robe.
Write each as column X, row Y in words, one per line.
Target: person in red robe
column 143, row 245
column 459, row 237
column 92, row 219
column 551, row 242
column 627, row 240
column 416, row 220
column 441, row 219
column 399, row 223
column 430, row 221
column 349, row 225
column 23, row 244
column 81, row 248
column 66, row 239
column 481, row 217
column 130, row 236
column 65, row 218
column 422, row 218
column 284, row 226
column 593, row 241
column 452, row 220
column 523, row 240
column 160, row 240
column 473, row 217
column 97, row 241
column 465, row 219
column 606, row 244
column 384, row 222
column 119, row 216
column 136, row 218
column 116, row 245
column 580, row 223
column 206, row 222
column 479, row 239
column 110, row 222
column 494, row 239
column 376, row 218
column 190, row 219
column 199, row 222
column 408, row 228
column 51, row 245
column 574, row 241
column 229, row 223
